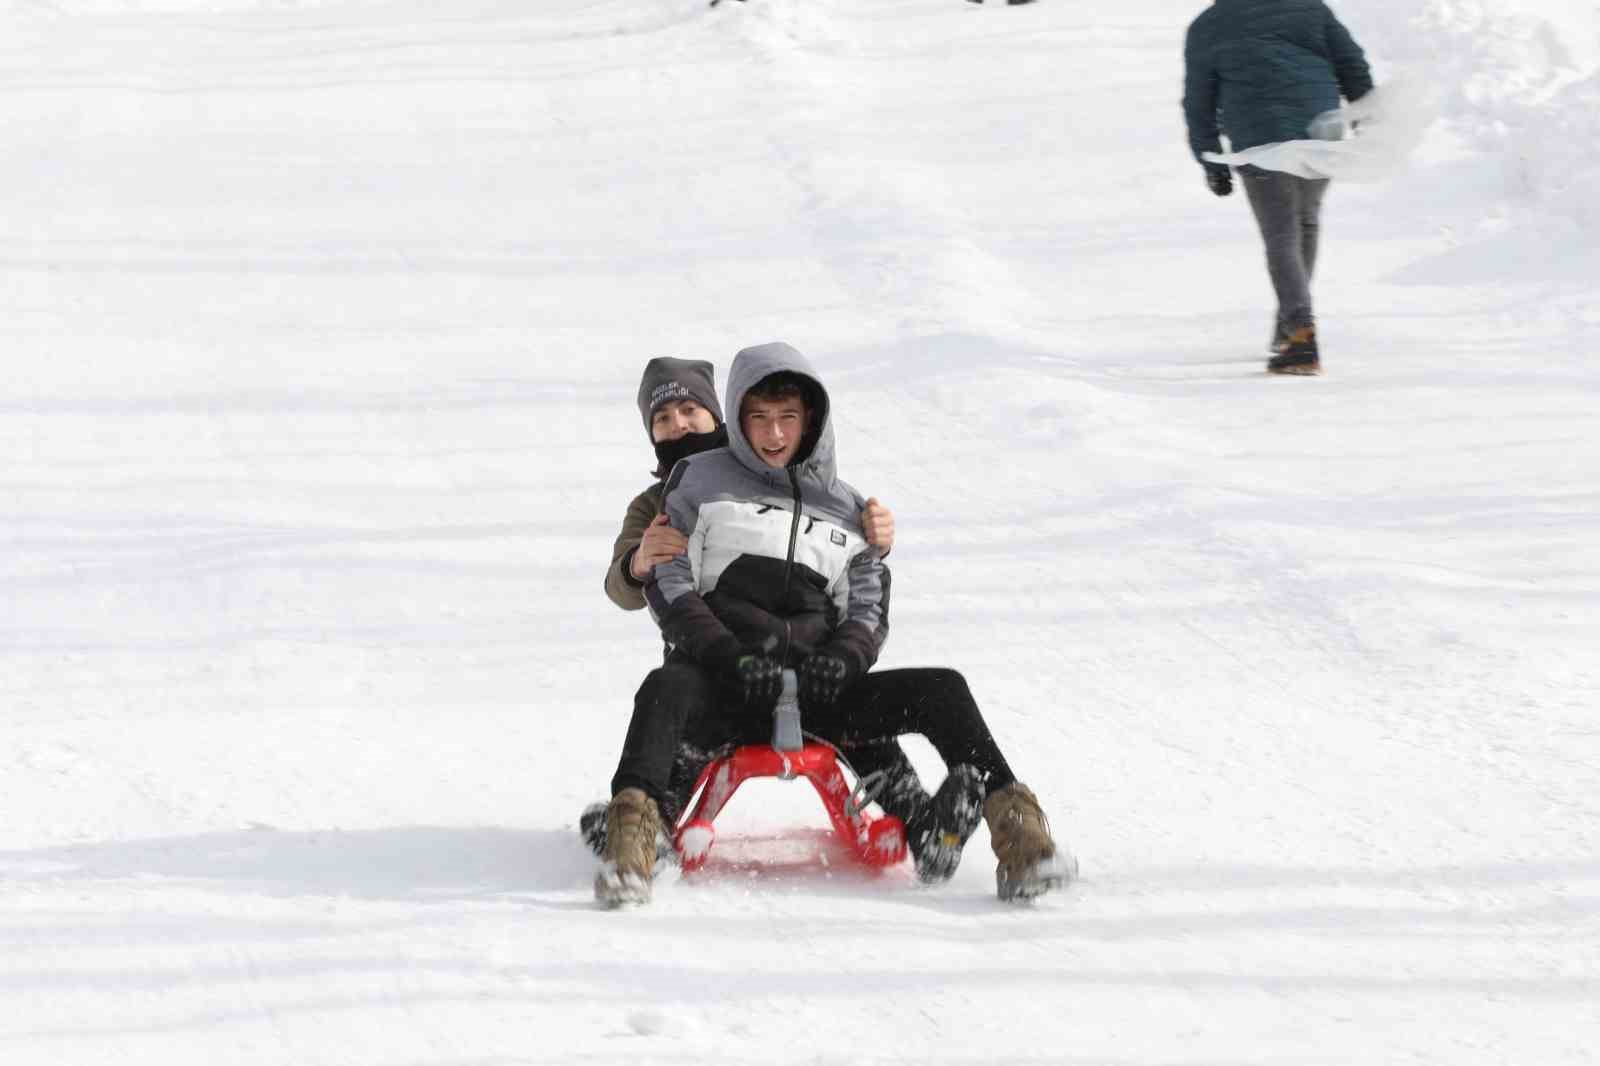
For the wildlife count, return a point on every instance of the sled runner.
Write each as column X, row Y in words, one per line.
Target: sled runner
column 873, row 840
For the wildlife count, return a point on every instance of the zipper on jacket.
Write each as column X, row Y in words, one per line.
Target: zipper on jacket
column 788, row 563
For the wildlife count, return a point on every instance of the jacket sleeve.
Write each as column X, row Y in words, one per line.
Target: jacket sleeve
column 623, row 590
column 861, row 635
column 1349, row 61
column 687, row 622
column 1200, row 81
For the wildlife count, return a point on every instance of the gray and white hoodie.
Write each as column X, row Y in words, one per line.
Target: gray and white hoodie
column 777, row 558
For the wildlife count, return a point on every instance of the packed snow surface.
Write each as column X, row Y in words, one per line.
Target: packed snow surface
column 320, row 325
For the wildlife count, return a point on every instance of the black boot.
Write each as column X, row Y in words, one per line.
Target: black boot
column 592, row 826
column 937, row 826
column 1280, row 338
column 1299, row 355
column 937, row 833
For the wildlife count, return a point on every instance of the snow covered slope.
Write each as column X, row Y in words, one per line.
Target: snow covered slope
column 320, row 325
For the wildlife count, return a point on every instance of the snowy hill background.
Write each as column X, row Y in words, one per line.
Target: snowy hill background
column 321, row 323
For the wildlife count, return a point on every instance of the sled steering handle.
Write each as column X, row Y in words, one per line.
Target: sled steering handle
column 786, row 715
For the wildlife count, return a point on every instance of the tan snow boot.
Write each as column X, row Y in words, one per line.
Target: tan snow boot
column 629, row 859
column 1030, row 864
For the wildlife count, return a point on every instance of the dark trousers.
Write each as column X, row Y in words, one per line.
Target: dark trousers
column 1288, row 212
column 681, row 717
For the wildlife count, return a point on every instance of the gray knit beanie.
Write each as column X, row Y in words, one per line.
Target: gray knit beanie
column 666, row 380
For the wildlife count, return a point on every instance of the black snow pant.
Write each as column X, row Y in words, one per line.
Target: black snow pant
column 682, row 717
column 1288, row 212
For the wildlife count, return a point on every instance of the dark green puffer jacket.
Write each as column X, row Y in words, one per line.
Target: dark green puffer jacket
column 1261, row 70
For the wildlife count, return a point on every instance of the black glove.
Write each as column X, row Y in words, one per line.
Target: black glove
column 753, row 678
column 1219, row 179
column 823, row 676
column 758, row 677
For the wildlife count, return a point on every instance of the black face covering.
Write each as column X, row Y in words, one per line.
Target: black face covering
column 670, row 451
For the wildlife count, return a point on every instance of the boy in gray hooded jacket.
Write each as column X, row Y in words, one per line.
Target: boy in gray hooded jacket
column 678, row 405
column 779, row 575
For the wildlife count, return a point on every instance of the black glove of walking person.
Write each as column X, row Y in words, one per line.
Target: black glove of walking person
column 1219, row 179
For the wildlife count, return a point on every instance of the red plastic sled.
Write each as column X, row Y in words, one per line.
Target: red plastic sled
column 874, row 840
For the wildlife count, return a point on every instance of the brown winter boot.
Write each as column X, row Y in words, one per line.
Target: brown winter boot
column 629, row 859
column 1029, row 862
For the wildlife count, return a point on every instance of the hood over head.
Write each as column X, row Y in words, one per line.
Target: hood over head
column 750, row 366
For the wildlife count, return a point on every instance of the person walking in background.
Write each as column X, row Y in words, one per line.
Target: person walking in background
column 1260, row 71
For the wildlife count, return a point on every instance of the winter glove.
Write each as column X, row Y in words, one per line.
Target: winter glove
column 1219, row 179
column 753, row 678
column 758, row 677
column 823, row 676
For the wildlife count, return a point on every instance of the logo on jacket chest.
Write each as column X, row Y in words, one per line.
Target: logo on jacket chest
column 768, row 528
